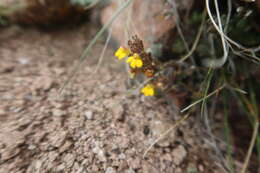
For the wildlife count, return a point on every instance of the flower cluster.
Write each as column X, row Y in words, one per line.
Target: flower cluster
column 135, row 61
column 139, row 62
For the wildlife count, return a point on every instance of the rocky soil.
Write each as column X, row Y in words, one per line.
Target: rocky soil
column 95, row 126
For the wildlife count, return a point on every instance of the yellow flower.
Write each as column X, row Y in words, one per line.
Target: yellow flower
column 148, row 90
column 122, row 53
column 135, row 61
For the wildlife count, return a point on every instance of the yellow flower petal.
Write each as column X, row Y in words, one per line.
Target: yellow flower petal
column 133, row 64
column 122, row 53
column 130, row 59
column 148, row 90
column 135, row 61
column 139, row 63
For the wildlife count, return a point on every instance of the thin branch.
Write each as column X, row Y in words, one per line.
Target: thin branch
column 213, row 142
column 177, row 17
column 92, row 4
column 224, row 35
column 200, row 100
column 194, row 46
column 250, row 149
column 103, row 52
column 228, row 15
column 217, row 62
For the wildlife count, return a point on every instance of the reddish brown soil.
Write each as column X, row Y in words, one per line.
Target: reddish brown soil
column 95, row 126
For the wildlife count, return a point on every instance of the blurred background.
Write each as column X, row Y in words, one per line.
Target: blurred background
column 68, row 105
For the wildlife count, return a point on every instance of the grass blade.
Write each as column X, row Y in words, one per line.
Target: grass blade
column 92, row 43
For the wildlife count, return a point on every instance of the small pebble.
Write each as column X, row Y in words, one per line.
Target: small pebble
column 89, row 115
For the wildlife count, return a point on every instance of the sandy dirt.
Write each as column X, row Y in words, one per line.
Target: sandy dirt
column 95, row 126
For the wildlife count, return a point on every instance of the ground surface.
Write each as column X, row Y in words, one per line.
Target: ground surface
column 95, row 126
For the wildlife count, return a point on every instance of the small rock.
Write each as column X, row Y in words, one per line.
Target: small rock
column 23, row 61
column 58, row 105
column 10, row 140
column 89, row 115
column 58, row 138
column 52, row 156
column 65, row 146
column 76, row 166
column 39, row 136
column 148, row 168
column 123, row 166
column 42, row 83
column 100, row 153
column 61, row 168
column 48, row 159
column 9, row 153
column 16, row 109
column 130, row 171
column 110, row 170
column 58, row 112
column 38, row 164
column 95, row 168
column 31, row 147
column 44, row 146
column 159, row 127
column 81, row 170
column 84, row 137
column 124, row 142
column 167, row 157
column 69, row 160
column 179, row 154
column 135, row 163
column 122, row 156
column 118, row 112
column 115, row 162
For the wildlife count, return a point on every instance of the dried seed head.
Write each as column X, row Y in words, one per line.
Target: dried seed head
column 136, row 45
